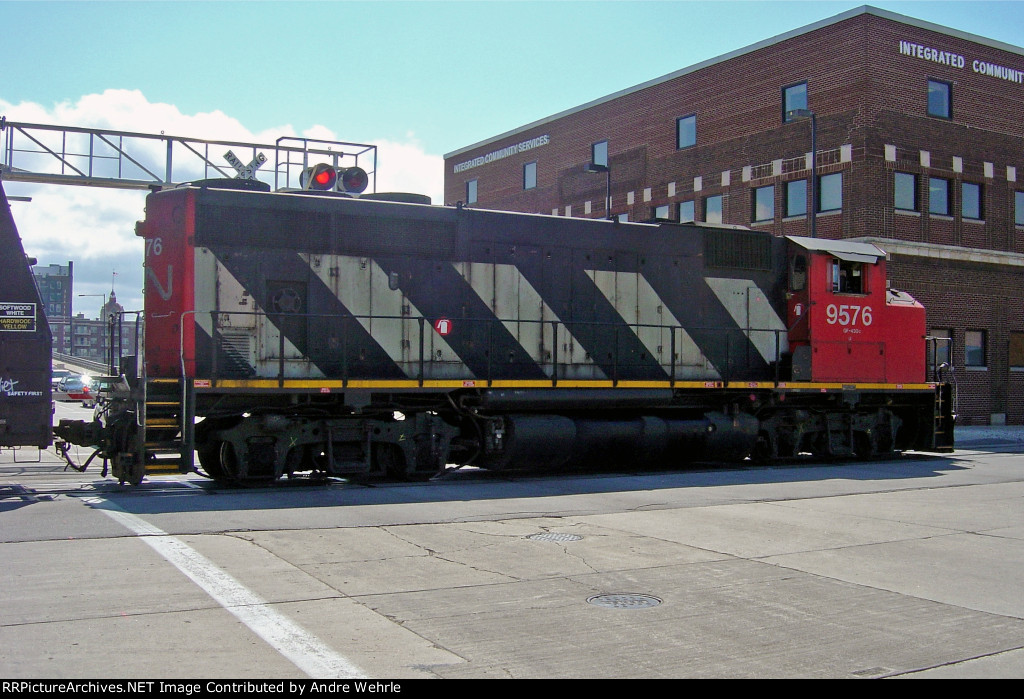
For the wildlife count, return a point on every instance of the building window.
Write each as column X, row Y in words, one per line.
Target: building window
column 713, row 209
column 796, row 198
column 764, row 203
column 686, row 213
column 686, row 131
column 471, row 192
column 530, row 175
column 905, row 191
column 938, row 196
column 1018, row 208
column 599, row 153
column 793, row 97
column 1017, row 350
column 974, row 348
column 830, row 192
column 970, row 201
column 661, row 213
column 940, row 99
column 940, row 349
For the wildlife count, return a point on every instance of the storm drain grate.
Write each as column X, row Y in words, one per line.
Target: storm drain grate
column 624, row 601
column 554, row 536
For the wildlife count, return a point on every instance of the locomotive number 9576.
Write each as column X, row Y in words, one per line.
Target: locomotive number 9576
column 848, row 315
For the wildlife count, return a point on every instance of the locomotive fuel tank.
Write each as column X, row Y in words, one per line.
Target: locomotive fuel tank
column 557, row 442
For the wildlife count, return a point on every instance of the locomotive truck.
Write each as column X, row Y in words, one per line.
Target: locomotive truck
column 299, row 334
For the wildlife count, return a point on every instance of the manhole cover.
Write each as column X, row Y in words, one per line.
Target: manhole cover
column 553, row 536
column 624, row 601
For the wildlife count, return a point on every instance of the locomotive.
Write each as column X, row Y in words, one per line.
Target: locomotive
column 300, row 333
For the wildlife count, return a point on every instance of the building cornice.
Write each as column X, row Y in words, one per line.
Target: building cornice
column 855, row 12
column 949, row 253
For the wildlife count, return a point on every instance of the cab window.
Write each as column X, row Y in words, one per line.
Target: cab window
column 797, row 273
column 848, row 277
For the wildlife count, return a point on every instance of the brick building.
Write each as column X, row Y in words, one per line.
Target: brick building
column 56, row 290
column 918, row 135
column 107, row 338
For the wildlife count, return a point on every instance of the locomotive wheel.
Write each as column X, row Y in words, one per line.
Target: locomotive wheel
column 228, row 462
column 136, row 471
column 231, row 469
column 127, row 469
column 762, row 452
column 864, row 445
column 209, row 459
column 390, row 461
column 218, row 460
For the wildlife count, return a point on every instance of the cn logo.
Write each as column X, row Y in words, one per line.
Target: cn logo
column 443, row 326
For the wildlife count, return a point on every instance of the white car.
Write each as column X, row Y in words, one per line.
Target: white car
column 74, row 388
column 57, row 375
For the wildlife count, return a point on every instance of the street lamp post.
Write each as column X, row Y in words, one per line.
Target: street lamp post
column 800, row 115
column 596, row 167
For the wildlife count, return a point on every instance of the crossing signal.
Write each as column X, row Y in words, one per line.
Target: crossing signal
column 320, row 177
column 325, row 178
column 353, row 180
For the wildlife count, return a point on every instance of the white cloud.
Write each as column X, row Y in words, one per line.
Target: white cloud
column 95, row 227
column 405, row 167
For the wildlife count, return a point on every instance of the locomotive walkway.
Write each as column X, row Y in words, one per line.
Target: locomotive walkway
column 909, row 568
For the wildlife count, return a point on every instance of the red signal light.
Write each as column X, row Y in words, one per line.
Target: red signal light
column 320, row 177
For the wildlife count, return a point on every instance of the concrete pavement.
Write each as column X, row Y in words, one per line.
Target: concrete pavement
column 909, row 568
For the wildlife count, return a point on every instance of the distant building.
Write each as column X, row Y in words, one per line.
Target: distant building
column 56, row 289
column 97, row 339
column 112, row 335
column 918, row 146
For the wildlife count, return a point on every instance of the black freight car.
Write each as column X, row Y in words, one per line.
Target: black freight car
column 26, row 409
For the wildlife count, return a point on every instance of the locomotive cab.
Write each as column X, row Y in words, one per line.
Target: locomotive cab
column 845, row 323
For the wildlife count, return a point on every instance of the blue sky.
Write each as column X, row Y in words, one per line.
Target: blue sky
column 420, row 79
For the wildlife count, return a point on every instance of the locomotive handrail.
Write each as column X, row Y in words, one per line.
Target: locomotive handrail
column 932, row 341
column 613, row 368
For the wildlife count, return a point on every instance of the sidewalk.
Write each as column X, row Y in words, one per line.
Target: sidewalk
column 990, row 435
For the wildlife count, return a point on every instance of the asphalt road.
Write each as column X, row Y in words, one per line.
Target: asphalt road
column 909, row 568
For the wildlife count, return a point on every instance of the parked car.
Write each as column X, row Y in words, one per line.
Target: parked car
column 74, row 388
column 57, row 375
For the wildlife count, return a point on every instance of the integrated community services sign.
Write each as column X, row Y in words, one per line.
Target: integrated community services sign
column 504, row 152
column 17, row 317
column 955, row 60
